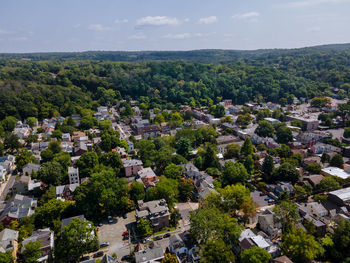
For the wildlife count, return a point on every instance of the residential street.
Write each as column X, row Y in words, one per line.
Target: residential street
column 5, row 189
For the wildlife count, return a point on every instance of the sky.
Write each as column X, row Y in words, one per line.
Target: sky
column 82, row 25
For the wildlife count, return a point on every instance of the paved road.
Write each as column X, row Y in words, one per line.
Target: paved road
column 8, row 185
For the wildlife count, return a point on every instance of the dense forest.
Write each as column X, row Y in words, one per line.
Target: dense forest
column 46, row 84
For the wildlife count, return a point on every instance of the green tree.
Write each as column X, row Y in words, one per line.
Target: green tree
column 249, row 164
column 88, row 122
column 63, row 158
column 247, row 147
column 144, row 228
column 284, row 135
column 208, row 224
column 219, row 111
column 173, row 171
column 232, row 151
column 77, row 238
column 314, row 168
column 49, row 214
column 209, row 157
column 137, row 191
column 329, row 183
column 217, row 251
column 337, row 161
column 9, row 123
column 255, row 255
column 340, row 252
column 57, row 134
column 234, row 173
column 31, row 121
column 46, row 156
column 2, row 149
column 265, row 129
column 11, row 142
column 186, row 190
column 105, row 194
column 286, row 172
column 325, row 158
column 32, row 251
column 287, row 213
column 184, row 147
column 52, row 173
column 55, row 147
column 24, row 157
column 6, row 257
column 299, row 246
column 346, row 132
column 169, row 258
column 86, row 163
column 267, row 168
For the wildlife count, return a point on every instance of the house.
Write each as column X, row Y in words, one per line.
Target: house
column 21, row 185
column 335, row 171
column 66, row 137
column 80, row 149
column 282, row 259
column 148, row 181
column 22, row 132
column 17, row 208
column 132, row 167
column 65, row 192
column 268, row 223
column 73, row 174
column 314, row 179
column 272, row 120
column 9, row 241
column 69, row 220
column 316, row 209
column 320, row 227
column 3, row 174
column 203, row 194
column 309, row 123
column 29, row 168
column 146, row 172
column 248, row 239
column 46, row 238
column 156, row 211
column 150, row 255
column 340, row 197
column 150, row 131
column 177, row 246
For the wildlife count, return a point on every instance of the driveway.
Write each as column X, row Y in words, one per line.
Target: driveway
column 185, row 209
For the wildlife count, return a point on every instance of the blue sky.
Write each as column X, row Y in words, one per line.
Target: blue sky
column 80, row 25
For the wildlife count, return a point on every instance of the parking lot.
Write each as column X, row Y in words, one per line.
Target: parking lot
column 113, row 233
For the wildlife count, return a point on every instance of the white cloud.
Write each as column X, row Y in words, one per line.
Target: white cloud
column 138, row 36
column 307, row 3
column 20, row 39
column 98, row 27
column 121, row 21
column 158, row 21
column 246, row 16
column 208, row 20
column 313, row 29
column 3, row 31
column 178, row 36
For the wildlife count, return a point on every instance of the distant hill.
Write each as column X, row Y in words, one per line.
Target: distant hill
column 201, row 56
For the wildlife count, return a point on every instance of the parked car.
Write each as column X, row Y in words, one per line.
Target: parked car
column 126, row 258
column 104, row 244
column 100, row 224
column 85, row 258
column 125, row 216
column 144, row 241
column 110, row 219
column 158, row 238
column 98, row 254
column 167, row 235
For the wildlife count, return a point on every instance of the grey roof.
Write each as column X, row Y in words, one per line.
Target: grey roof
column 149, row 254
column 132, row 162
column 62, row 188
column 145, row 172
column 45, row 236
column 19, row 206
column 8, row 234
column 68, row 220
column 343, row 194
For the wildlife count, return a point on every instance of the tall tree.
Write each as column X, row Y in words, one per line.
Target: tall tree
column 77, row 238
column 32, row 251
column 217, row 251
column 247, row 147
column 234, row 173
column 255, row 255
column 337, row 161
column 300, row 246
